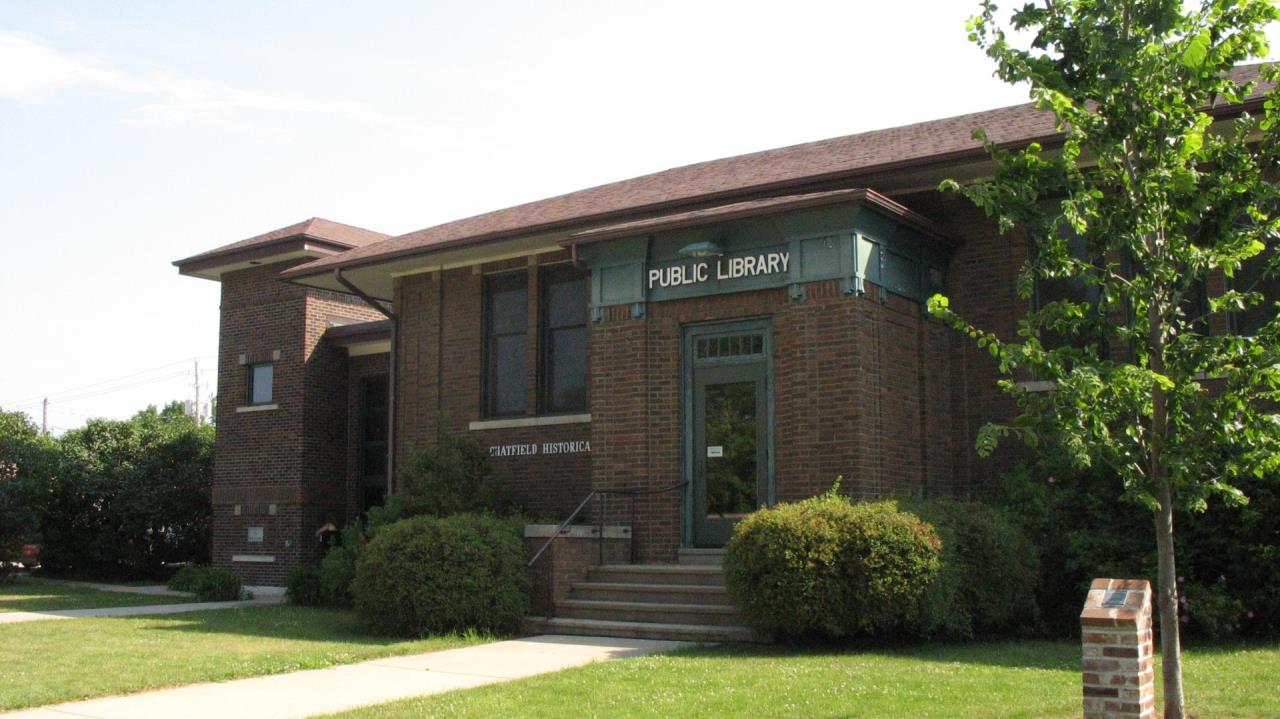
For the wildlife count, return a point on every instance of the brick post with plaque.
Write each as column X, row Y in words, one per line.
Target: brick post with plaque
column 1115, row 626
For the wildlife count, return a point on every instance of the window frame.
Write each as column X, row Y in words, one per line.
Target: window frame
column 250, row 384
column 488, row 390
column 546, row 358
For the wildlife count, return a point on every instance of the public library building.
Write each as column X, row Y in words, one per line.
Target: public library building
column 737, row 333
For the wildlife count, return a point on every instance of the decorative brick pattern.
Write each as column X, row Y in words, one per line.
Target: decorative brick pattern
column 1116, row 636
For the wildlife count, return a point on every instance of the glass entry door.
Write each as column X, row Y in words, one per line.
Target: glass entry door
column 728, row 430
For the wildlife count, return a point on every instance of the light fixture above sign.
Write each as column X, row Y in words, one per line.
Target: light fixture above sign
column 701, row 249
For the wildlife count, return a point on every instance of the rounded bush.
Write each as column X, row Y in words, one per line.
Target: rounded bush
column 209, row 584
column 337, row 573
column 986, row 584
column 827, row 568
column 302, row 587
column 431, row 575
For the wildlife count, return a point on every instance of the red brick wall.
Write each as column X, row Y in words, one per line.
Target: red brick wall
column 284, row 468
column 851, row 396
column 981, row 283
column 439, row 365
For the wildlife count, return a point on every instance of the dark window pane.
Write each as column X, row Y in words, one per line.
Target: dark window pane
column 506, row 323
column 562, row 374
column 1250, row 278
column 374, row 460
column 567, row 378
column 260, row 381
column 566, row 302
column 508, row 311
column 373, row 421
column 506, row 377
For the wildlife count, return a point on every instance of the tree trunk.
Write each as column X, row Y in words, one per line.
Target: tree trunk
column 1167, row 601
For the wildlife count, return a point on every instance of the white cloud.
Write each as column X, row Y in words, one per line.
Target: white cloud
column 31, row 71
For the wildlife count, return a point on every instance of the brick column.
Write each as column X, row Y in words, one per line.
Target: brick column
column 1119, row 681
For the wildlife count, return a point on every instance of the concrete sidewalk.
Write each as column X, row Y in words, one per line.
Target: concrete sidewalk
column 323, row 691
column 257, row 601
column 155, row 590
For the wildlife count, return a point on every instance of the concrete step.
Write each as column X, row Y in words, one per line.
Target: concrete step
column 645, row 592
column 698, row 556
column 652, row 612
column 644, row 630
column 669, row 574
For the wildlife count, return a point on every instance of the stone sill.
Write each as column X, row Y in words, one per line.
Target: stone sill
column 545, row 421
column 578, row 531
column 258, row 558
column 257, row 408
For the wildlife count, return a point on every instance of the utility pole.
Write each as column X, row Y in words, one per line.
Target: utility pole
column 44, row 418
column 196, row 406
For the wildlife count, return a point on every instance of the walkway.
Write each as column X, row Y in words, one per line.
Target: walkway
column 261, row 596
column 323, row 691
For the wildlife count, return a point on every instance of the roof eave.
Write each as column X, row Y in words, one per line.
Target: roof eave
column 976, row 153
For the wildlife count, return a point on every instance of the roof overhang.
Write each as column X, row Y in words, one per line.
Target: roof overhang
column 378, row 280
column 213, row 266
column 361, row 338
column 757, row 208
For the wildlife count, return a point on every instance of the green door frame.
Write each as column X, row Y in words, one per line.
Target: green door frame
column 721, row 369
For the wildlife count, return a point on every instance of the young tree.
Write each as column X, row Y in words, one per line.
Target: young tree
column 1154, row 191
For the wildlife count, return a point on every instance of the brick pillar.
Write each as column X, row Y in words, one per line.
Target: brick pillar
column 1115, row 626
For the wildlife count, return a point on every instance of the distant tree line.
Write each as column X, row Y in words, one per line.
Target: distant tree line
column 115, row 498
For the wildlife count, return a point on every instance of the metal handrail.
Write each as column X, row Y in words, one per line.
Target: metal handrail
column 600, row 527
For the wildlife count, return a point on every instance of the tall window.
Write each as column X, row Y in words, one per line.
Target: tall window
column 506, row 313
column 1252, row 278
column 261, row 377
column 373, row 426
column 562, row 374
column 1072, row 289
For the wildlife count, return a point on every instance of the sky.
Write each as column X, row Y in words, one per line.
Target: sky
column 134, row 134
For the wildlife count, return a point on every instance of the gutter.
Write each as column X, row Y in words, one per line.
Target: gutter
column 391, row 373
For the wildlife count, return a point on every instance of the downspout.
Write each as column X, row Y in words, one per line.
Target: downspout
column 391, row 372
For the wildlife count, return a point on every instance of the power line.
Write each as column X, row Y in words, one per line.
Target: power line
column 56, row 395
column 106, row 390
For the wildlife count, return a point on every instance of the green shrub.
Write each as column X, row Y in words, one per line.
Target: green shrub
column 1211, row 611
column 429, row 575
column 338, row 568
column 826, row 568
column 209, row 584
column 1082, row 532
column 442, row 480
column 987, row 580
column 302, row 587
column 185, row 579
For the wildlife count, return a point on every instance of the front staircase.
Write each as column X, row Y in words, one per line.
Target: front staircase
column 685, row 601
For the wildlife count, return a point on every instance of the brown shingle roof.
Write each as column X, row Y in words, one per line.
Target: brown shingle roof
column 316, row 228
column 753, row 208
column 727, row 180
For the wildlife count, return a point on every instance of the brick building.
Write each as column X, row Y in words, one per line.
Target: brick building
column 741, row 331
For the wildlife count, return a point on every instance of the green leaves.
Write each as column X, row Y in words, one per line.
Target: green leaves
column 1196, row 51
column 1136, row 225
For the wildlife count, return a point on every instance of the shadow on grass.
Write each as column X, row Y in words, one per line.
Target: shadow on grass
column 284, row 621
column 1044, row 655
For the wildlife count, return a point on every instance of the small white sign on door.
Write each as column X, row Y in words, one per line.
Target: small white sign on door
column 716, row 451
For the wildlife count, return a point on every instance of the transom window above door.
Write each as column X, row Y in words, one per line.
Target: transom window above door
column 744, row 345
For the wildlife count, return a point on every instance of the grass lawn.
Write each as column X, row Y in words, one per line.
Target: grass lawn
column 1029, row 679
column 33, row 595
column 55, row 661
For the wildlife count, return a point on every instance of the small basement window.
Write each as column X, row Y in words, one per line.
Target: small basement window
column 261, row 378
